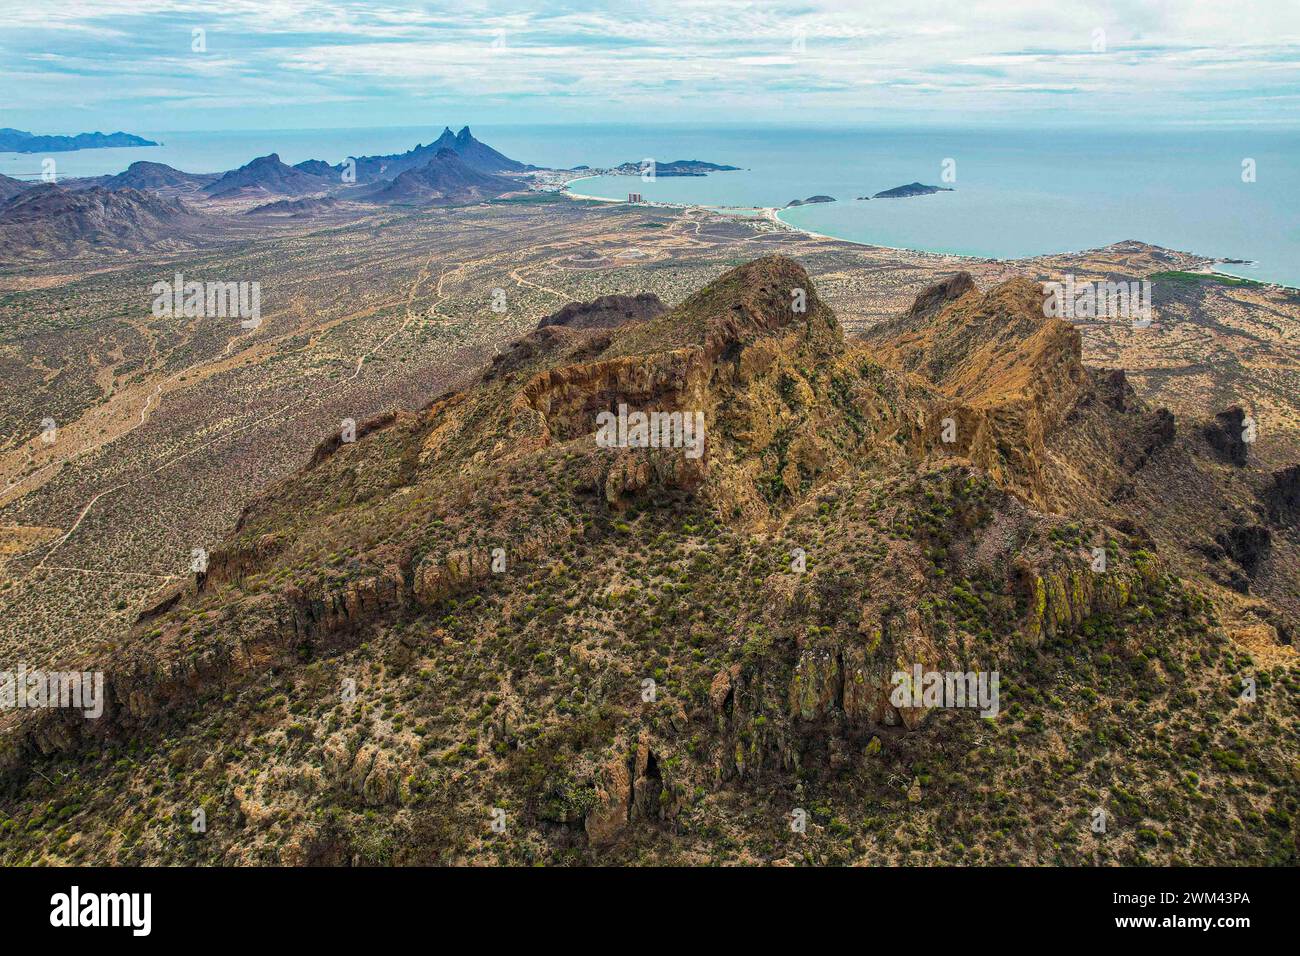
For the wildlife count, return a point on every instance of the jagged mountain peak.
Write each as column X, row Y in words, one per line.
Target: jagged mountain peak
column 445, row 178
column 763, row 297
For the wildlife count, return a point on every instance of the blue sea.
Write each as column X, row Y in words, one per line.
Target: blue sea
column 1017, row 192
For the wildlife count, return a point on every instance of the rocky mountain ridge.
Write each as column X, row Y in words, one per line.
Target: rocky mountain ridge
column 640, row 655
column 50, row 220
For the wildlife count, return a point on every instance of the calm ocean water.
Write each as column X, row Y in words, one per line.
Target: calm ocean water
column 1017, row 192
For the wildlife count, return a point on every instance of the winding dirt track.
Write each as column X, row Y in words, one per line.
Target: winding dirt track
column 232, row 432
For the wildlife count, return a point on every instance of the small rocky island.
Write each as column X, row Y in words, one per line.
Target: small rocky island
column 911, row 189
column 678, row 167
column 809, row 200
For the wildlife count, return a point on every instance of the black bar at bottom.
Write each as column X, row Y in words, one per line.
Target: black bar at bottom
column 948, row 906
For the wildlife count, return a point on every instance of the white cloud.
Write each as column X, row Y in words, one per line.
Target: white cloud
column 984, row 55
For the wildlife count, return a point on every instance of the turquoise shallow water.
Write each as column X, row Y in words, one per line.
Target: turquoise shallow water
column 1017, row 192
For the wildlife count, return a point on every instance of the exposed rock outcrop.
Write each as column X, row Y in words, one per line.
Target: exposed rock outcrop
column 437, row 577
column 940, row 294
column 1282, row 497
column 1061, row 599
column 1246, row 544
column 606, row 311
column 1226, row 436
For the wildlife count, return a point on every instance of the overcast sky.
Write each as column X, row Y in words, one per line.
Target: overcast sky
column 130, row 64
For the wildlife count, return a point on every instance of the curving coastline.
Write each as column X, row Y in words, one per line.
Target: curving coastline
column 773, row 214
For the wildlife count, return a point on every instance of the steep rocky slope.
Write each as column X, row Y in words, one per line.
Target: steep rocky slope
column 10, row 187
column 298, row 208
column 267, row 174
column 1079, row 441
column 476, row 613
column 478, row 155
column 606, row 311
column 48, row 220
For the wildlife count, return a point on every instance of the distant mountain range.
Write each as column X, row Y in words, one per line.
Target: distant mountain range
column 444, row 176
column 270, row 174
column 141, row 205
column 20, row 141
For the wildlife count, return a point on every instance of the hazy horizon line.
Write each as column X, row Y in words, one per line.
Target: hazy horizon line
column 1280, row 124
